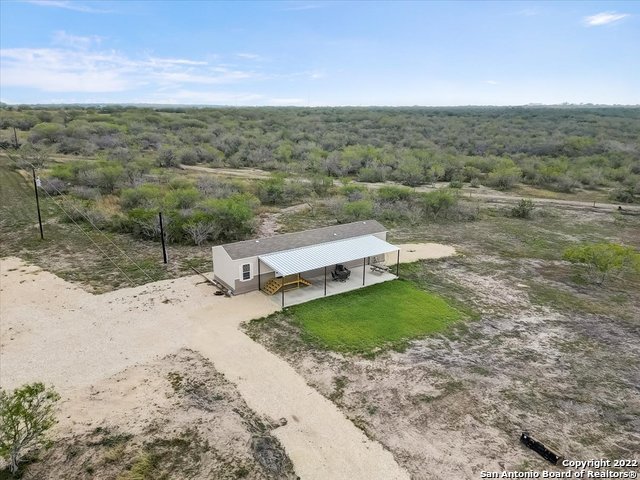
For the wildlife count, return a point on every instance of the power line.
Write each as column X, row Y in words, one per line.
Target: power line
column 102, row 233
column 89, row 237
column 91, row 223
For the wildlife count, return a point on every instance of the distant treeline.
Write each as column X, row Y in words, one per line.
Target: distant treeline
column 556, row 148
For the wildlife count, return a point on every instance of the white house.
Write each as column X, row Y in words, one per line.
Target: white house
column 293, row 260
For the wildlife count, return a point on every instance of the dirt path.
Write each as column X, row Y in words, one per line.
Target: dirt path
column 55, row 332
column 251, row 173
column 321, row 442
column 494, row 196
column 484, row 193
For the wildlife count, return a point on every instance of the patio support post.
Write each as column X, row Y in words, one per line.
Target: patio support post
column 364, row 269
column 398, row 264
column 325, row 281
column 259, row 286
column 283, row 292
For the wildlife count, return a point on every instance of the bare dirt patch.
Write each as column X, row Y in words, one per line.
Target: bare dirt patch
column 57, row 333
column 174, row 417
column 453, row 405
column 412, row 252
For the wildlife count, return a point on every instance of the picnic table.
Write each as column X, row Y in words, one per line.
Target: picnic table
column 376, row 268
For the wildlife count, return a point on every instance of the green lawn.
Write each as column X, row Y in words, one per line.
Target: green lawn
column 382, row 315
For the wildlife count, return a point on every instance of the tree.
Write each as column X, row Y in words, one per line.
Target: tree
column 200, row 227
column 523, row 209
column 233, row 216
column 199, row 231
column 25, row 416
column 603, row 259
column 47, row 132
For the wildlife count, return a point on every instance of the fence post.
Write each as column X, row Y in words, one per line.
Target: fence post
column 164, row 248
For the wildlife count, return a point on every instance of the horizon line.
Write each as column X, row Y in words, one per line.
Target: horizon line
column 211, row 105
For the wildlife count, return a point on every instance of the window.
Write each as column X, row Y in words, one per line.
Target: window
column 246, row 271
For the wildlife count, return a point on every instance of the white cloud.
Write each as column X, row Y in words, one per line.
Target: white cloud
column 74, row 41
column 491, row 82
column 249, row 56
column 295, row 6
column 169, row 62
column 604, row 18
column 205, row 97
column 67, row 5
column 59, row 70
column 86, row 70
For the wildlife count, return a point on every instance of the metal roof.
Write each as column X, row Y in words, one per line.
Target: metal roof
column 317, row 256
column 288, row 241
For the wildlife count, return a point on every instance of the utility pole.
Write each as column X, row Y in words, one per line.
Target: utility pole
column 36, row 184
column 164, row 248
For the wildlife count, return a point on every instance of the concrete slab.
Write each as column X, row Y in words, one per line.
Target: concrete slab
column 316, row 290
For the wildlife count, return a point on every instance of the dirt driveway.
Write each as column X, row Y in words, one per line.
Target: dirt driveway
column 55, row 332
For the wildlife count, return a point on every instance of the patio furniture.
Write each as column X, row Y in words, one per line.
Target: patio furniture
column 379, row 268
column 341, row 273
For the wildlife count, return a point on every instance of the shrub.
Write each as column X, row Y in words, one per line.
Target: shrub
column 233, row 216
column 505, row 175
column 455, row 184
column 167, row 158
column 523, row 209
column 410, row 172
column 353, row 192
column 54, row 186
column 108, row 176
column 321, row 185
column 623, row 195
column 475, row 182
column 188, row 157
column 181, row 198
column 201, row 227
column 26, row 415
column 64, row 171
column 271, row 191
column 210, row 155
column 564, row 184
column 296, row 191
column 603, row 259
column 215, row 188
column 358, row 210
column 145, row 196
column 439, row 202
column 392, row 193
column 85, row 193
column 144, row 223
column 33, row 156
column 47, row 132
column 372, row 174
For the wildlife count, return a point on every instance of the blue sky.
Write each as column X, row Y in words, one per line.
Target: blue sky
column 320, row 53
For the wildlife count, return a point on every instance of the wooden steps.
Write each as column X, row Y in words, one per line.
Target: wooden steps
column 274, row 285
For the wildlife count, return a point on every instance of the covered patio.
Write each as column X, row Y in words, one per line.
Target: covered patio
column 299, row 275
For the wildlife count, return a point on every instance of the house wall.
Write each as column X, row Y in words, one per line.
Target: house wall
column 223, row 267
column 381, row 235
column 229, row 271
